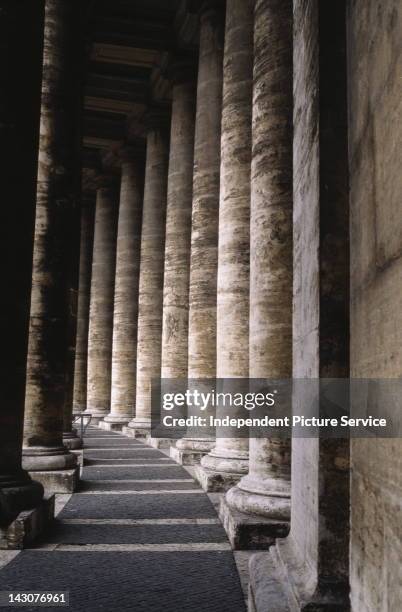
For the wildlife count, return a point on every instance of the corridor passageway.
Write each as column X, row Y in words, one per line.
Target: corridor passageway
column 138, row 534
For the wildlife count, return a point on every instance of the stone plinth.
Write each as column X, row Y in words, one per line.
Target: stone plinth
column 186, row 457
column 215, row 482
column 58, row 481
column 250, row 531
column 28, row 526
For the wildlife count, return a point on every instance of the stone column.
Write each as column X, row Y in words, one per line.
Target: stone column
column 124, row 352
column 308, row 570
column 70, row 437
column 228, row 461
column 204, row 234
column 100, row 332
column 178, row 223
column 54, row 232
column 149, row 344
column 265, row 490
column 19, row 123
column 84, row 290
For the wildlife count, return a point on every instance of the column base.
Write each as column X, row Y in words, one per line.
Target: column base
column 28, row 525
column 40, row 458
column 72, row 441
column 274, row 506
column 281, row 583
column 158, row 442
column 115, row 422
column 215, row 482
column 250, row 531
column 106, row 426
column 132, row 432
column 196, row 445
column 128, row 431
column 186, row 457
column 58, row 481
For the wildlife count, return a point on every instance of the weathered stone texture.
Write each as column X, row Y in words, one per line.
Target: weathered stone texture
column 124, row 352
column 230, row 454
column 84, row 291
column 205, row 211
column 19, row 137
column 266, row 488
column 321, row 273
column 375, row 151
column 100, row 332
column 150, row 308
column 178, row 231
column 204, row 236
column 54, row 227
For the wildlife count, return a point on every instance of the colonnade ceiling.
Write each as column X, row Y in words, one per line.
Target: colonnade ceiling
column 130, row 44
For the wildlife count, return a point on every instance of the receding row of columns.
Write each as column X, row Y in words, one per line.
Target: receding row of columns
column 186, row 271
column 166, row 283
column 174, row 292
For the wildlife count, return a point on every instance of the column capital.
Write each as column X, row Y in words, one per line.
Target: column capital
column 182, row 69
column 132, row 152
column 106, row 181
column 209, row 8
column 157, row 118
column 195, row 6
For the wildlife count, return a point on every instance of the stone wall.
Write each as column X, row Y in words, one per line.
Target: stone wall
column 375, row 151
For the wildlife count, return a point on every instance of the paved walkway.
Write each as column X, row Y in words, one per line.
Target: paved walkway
column 139, row 535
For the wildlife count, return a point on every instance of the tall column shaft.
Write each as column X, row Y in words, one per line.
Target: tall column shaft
column 229, row 458
column 84, row 290
column 124, row 353
column 178, row 231
column 54, row 232
column 100, row 333
column 19, row 131
column 204, row 233
column 266, row 489
column 150, row 307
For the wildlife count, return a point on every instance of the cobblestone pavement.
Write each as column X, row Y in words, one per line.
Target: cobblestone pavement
column 139, row 535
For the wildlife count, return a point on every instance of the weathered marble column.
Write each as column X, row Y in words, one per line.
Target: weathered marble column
column 308, row 570
column 19, row 127
column 265, row 490
column 124, row 352
column 178, row 223
column 150, row 307
column 84, row 290
column 100, row 332
column 204, row 234
column 70, row 436
column 228, row 461
column 54, row 232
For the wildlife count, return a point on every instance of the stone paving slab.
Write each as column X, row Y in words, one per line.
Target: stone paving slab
column 113, row 443
column 124, row 453
column 140, row 582
column 137, row 486
column 138, row 506
column 138, row 534
column 164, row 470
column 136, row 542
column 128, row 461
